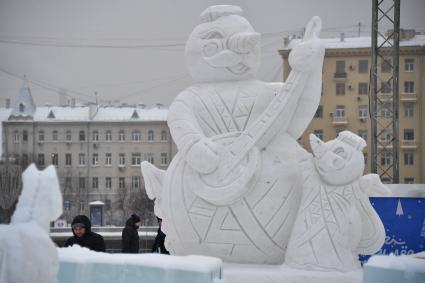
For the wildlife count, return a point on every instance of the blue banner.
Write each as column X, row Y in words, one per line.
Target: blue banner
column 404, row 222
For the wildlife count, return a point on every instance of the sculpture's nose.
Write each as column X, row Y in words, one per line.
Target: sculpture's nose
column 243, row 42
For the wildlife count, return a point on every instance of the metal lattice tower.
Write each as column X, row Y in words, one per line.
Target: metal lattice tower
column 384, row 90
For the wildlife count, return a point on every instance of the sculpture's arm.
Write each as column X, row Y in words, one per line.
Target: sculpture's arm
column 199, row 151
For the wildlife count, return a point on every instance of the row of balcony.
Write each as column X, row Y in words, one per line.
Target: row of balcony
column 405, row 97
column 405, row 144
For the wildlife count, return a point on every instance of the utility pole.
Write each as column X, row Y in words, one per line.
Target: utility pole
column 384, row 90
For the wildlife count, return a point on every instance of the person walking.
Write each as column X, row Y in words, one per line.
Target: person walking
column 158, row 245
column 130, row 235
column 83, row 236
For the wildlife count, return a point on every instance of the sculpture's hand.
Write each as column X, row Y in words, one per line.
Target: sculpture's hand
column 203, row 156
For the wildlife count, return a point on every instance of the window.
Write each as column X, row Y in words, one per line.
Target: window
column 68, row 182
column 385, row 158
column 55, row 159
column 318, row 133
column 121, row 136
column 339, row 67
column 409, row 180
column 121, row 183
column 150, row 135
column 386, row 65
column 67, row 205
column 385, row 180
column 365, row 158
column 408, row 109
column 82, row 136
column 319, row 112
column 363, row 66
column 82, row 159
column 164, row 136
column 107, row 204
column 408, row 158
column 386, row 110
column 363, row 134
column 95, row 183
column 164, row 159
column 108, row 136
column 340, row 89
column 95, row 159
column 41, row 136
column 40, row 159
column 409, row 87
column 108, row 182
column 386, row 135
column 68, row 159
column 82, row 182
column 409, row 134
column 81, row 205
column 21, row 107
column 363, row 111
column 136, row 159
column 25, row 136
column 136, row 135
column 386, row 87
column 150, row 158
column 95, row 136
column 363, row 88
column 340, row 111
column 121, row 159
column 55, row 136
column 16, row 137
column 68, row 135
column 135, row 182
column 108, row 159
column 408, row 64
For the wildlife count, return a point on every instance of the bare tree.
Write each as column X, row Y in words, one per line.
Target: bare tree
column 10, row 189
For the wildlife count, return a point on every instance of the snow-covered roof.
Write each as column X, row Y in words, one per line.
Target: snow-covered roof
column 101, row 114
column 359, row 42
column 97, row 202
column 23, row 105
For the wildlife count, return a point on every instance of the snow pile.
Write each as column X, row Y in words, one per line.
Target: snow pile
column 394, row 269
column 79, row 264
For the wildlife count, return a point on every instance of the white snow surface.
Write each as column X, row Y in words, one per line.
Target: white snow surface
column 407, row 263
column 82, row 265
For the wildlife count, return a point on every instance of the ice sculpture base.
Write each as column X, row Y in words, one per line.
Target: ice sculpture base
column 250, row 273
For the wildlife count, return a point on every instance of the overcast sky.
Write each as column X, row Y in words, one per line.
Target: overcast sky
column 132, row 51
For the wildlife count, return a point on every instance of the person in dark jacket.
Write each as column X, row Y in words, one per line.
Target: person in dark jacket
column 158, row 245
column 83, row 236
column 130, row 235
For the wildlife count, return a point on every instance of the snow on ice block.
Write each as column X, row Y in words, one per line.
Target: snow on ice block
column 395, row 269
column 252, row 273
column 82, row 265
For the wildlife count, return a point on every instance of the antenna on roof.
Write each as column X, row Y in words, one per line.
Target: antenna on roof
column 95, row 95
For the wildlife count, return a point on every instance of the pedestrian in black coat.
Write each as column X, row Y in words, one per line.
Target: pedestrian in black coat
column 83, row 236
column 130, row 235
column 158, row 245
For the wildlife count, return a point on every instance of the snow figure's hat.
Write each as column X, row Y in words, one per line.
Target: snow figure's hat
column 352, row 139
column 212, row 13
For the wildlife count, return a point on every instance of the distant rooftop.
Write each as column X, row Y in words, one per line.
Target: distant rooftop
column 358, row 42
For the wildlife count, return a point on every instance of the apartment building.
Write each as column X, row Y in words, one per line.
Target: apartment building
column 345, row 100
column 97, row 151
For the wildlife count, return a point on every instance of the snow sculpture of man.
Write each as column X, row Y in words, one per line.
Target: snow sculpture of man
column 335, row 221
column 233, row 189
column 27, row 254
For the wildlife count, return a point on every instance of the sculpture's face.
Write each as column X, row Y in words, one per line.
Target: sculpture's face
column 337, row 162
column 222, row 50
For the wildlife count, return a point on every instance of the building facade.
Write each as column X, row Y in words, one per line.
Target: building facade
column 344, row 104
column 97, row 152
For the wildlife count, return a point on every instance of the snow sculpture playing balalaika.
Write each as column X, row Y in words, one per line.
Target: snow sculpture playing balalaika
column 234, row 187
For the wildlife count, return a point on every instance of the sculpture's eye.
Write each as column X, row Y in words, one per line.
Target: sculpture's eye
column 213, row 35
column 340, row 152
column 211, row 48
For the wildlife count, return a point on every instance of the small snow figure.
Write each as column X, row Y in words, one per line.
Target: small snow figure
column 83, row 235
column 336, row 221
column 27, row 254
column 130, row 235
